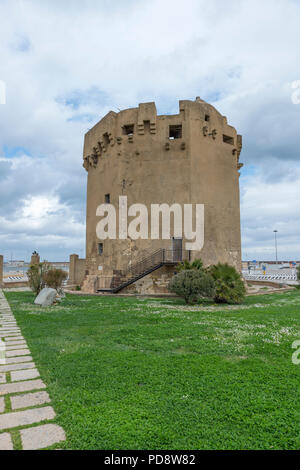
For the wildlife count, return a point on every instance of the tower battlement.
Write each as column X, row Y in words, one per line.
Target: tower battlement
column 133, row 129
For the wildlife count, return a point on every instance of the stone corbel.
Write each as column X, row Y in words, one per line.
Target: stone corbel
column 86, row 164
column 111, row 139
column 214, row 134
column 94, row 160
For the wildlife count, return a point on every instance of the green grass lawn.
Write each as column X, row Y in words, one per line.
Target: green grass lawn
column 130, row 373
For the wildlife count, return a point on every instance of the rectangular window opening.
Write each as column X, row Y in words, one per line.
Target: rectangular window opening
column 175, row 132
column 100, row 249
column 147, row 127
column 107, row 198
column 128, row 129
column 207, row 117
column 228, row 140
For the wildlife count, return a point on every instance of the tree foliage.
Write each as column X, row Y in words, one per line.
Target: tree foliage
column 54, row 278
column 229, row 284
column 187, row 265
column 192, row 285
column 42, row 275
column 36, row 276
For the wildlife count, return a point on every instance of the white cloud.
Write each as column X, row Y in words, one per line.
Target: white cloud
column 105, row 55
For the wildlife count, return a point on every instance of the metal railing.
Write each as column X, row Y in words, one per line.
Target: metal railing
column 143, row 267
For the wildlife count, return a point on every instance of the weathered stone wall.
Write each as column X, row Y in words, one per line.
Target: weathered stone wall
column 35, row 259
column 15, row 285
column 155, row 283
column 77, row 270
column 146, row 165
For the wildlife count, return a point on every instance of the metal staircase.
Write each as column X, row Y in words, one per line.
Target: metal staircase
column 145, row 266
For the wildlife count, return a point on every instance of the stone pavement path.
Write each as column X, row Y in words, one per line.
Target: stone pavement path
column 25, row 410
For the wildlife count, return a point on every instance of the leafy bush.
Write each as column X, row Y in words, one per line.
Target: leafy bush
column 187, row 265
column 229, row 285
column 298, row 273
column 36, row 277
column 42, row 275
column 192, row 285
column 54, row 278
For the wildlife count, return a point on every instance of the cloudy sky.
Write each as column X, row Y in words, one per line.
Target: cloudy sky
column 66, row 63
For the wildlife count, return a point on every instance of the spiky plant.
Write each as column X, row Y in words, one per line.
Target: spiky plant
column 229, row 285
column 187, row 265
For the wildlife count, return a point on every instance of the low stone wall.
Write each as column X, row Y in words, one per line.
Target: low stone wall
column 77, row 270
column 14, row 285
column 267, row 283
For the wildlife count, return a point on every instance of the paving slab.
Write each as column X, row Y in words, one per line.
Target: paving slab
column 41, row 437
column 11, row 329
column 17, row 360
column 23, row 418
column 22, row 352
column 29, row 399
column 16, row 347
column 2, row 405
column 6, row 442
column 18, row 387
column 24, row 375
column 22, row 366
column 7, row 335
column 15, row 343
column 14, row 338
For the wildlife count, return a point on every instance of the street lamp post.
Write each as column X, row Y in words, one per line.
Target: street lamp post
column 275, row 232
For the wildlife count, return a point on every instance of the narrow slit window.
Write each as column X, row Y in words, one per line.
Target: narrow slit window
column 128, row 129
column 228, row 140
column 175, row 132
column 100, row 249
column 107, row 198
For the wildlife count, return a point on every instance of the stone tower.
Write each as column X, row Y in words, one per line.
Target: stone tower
column 188, row 158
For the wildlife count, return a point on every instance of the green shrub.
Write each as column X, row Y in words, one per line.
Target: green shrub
column 36, row 277
column 229, row 285
column 192, row 285
column 54, row 278
column 298, row 273
column 187, row 265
